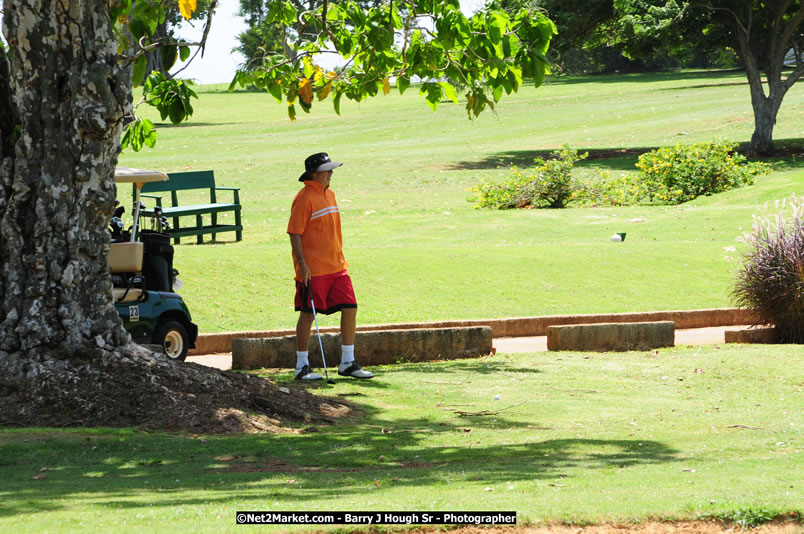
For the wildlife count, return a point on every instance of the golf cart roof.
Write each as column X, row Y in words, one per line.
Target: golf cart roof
column 127, row 175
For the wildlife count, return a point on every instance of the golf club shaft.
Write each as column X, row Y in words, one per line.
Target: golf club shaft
column 318, row 331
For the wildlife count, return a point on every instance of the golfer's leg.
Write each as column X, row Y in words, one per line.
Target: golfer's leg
column 348, row 325
column 303, row 331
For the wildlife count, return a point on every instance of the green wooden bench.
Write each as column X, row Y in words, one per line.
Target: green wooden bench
column 195, row 180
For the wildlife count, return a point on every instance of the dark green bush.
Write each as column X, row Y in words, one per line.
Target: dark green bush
column 672, row 175
column 550, row 185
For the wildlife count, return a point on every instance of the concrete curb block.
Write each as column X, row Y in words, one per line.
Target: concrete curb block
column 512, row 327
column 376, row 348
column 603, row 337
column 764, row 335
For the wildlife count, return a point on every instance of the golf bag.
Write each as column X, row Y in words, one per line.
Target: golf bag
column 157, row 261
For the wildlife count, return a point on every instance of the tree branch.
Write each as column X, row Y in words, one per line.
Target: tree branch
column 794, row 76
column 734, row 15
column 791, row 27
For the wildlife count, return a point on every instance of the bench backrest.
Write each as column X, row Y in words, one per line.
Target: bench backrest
column 179, row 181
column 184, row 181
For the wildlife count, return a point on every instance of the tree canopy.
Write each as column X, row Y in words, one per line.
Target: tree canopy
column 430, row 41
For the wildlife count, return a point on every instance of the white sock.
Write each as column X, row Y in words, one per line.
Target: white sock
column 301, row 359
column 347, row 354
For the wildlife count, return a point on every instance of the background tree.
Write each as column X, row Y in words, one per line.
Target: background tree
column 759, row 33
column 64, row 97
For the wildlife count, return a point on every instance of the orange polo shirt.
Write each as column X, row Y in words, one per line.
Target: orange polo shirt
column 315, row 216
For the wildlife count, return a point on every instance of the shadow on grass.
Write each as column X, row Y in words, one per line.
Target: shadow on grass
column 613, row 158
column 789, row 151
column 645, row 77
column 130, row 469
column 112, row 472
column 192, row 124
column 460, row 367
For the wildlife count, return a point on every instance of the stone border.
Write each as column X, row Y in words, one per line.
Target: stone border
column 764, row 335
column 380, row 347
column 605, row 337
column 513, row 327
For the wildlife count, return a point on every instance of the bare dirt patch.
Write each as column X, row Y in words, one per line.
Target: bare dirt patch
column 133, row 388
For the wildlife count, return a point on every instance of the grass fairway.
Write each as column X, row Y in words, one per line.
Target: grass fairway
column 419, row 251
column 684, row 433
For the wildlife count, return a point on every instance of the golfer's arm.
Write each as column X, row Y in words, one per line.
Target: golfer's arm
column 296, row 245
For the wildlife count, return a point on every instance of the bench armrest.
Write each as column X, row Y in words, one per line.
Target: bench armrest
column 158, row 199
column 235, row 192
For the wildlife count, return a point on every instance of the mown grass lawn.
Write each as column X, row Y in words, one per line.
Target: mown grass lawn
column 419, row 251
column 575, row 437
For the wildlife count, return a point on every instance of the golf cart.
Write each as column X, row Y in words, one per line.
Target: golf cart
column 143, row 277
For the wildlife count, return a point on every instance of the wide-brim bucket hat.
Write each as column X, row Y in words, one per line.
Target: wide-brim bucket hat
column 317, row 163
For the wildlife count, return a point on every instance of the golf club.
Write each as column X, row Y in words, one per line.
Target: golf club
column 318, row 331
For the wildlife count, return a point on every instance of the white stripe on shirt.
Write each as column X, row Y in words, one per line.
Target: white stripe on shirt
column 325, row 211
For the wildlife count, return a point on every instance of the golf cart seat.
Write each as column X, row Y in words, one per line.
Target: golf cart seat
column 133, row 294
column 126, row 257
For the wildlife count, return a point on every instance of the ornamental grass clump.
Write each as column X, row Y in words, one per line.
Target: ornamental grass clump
column 770, row 279
column 672, row 175
column 551, row 185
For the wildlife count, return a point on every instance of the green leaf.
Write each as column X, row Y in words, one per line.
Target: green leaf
column 433, row 94
column 289, row 16
column 538, row 73
column 292, row 113
column 148, row 133
column 514, row 78
column 138, row 132
column 336, row 102
column 511, row 45
column 308, row 67
column 275, row 89
column 402, row 84
column 449, row 91
column 184, row 52
column 498, row 93
column 496, row 26
column 169, row 55
column 139, row 71
column 123, row 7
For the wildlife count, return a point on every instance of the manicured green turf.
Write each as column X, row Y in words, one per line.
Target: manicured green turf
column 419, row 251
column 575, row 437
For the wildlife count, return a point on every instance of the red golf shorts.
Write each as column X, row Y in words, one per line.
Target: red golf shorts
column 331, row 293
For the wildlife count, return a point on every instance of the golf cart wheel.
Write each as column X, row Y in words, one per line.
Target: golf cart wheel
column 172, row 335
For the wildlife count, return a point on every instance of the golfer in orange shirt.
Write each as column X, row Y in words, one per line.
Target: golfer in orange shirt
column 315, row 238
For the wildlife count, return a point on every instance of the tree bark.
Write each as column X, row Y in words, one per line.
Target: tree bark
column 58, row 185
column 764, row 51
column 765, row 112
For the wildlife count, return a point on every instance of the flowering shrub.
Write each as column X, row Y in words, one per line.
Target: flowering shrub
column 626, row 190
column 550, row 186
column 672, row 175
column 771, row 275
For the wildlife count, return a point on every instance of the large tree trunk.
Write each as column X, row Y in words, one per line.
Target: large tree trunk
column 65, row 358
column 763, row 50
column 766, row 108
column 58, row 185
